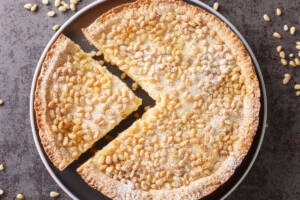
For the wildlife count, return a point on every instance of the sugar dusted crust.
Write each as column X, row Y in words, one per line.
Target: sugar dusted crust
column 62, row 57
column 58, row 156
column 203, row 186
column 115, row 189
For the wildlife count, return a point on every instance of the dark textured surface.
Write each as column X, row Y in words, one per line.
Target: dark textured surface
column 23, row 36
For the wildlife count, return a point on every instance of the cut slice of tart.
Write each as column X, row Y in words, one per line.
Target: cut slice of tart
column 77, row 101
column 207, row 102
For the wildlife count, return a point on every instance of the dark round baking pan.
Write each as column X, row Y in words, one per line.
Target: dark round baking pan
column 68, row 179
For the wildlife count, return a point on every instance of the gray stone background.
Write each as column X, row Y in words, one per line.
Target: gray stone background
column 23, row 36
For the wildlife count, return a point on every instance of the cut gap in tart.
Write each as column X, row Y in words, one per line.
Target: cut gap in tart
column 110, row 136
column 77, row 102
column 207, row 102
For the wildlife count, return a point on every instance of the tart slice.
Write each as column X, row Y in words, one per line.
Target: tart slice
column 77, row 101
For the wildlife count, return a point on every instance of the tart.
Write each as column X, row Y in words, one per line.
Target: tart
column 77, row 101
column 207, row 102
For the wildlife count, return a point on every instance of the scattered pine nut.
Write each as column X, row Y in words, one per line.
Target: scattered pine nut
column 291, row 55
column 216, row 6
column 136, row 115
column 74, row 1
column 286, row 79
column 55, row 27
column 276, row 35
column 292, row 63
column 279, row 48
column 61, row 5
column 34, row 8
column 54, row 194
column 28, row 6
column 1, row 102
column 57, row 3
column 283, row 62
column 146, row 108
column 1, row 167
column 1, row 192
column 20, row 196
column 298, row 93
column 92, row 53
column 299, row 53
column 297, row 61
column 282, row 54
column 134, row 86
column 123, row 76
column 278, row 12
column 293, row 30
column 298, row 43
column 62, row 9
column 51, row 13
column 45, row 2
column 285, row 28
column 297, row 86
column 99, row 54
column 266, row 18
column 65, row 4
column 101, row 62
column 298, row 47
column 73, row 7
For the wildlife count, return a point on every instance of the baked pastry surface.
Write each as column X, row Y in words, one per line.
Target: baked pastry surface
column 77, row 101
column 207, row 102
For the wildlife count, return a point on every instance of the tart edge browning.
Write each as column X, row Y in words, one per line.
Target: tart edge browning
column 207, row 185
column 46, row 137
column 59, row 155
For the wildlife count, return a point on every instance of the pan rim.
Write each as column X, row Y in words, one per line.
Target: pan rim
column 96, row 3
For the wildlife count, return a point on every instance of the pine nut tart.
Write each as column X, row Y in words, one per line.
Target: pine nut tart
column 207, row 102
column 77, row 101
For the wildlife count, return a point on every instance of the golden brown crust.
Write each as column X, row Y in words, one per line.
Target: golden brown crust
column 60, row 56
column 58, row 156
column 108, row 186
column 203, row 186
